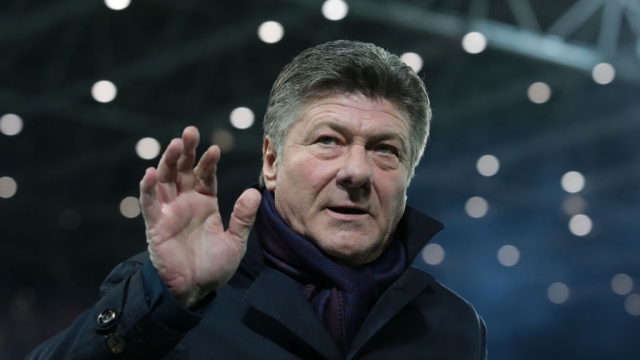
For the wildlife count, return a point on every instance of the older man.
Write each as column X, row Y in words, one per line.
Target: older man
column 326, row 271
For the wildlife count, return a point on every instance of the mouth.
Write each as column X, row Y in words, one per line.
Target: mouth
column 348, row 210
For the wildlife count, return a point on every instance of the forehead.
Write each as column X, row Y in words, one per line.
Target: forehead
column 355, row 111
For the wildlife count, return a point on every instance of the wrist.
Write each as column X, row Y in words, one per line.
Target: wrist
column 195, row 299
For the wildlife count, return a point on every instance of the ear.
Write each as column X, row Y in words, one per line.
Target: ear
column 269, row 164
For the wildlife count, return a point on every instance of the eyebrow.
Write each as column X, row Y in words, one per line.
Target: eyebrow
column 386, row 135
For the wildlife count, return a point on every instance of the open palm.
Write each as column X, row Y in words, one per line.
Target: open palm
column 188, row 245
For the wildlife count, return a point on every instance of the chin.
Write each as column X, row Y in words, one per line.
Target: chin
column 349, row 251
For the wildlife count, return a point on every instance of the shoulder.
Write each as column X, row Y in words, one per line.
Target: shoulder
column 453, row 304
column 451, row 314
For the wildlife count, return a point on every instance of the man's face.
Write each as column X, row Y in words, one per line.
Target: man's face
column 342, row 176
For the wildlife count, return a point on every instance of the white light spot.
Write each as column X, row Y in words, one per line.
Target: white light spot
column 580, row 225
column 224, row 139
column 572, row 182
column 574, row 204
column 622, row 284
column 632, row 304
column 129, row 207
column 242, row 118
column 603, row 73
column 335, row 9
column 104, row 91
column 8, row 187
column 148, row 148
column 10, row 124
column 270, row 32
column 476, row 207
column 488, row 165
column 413, row 60
column 433, row 254
column 474, row 42
column 539, row 92
column 117, row 4
column 558, row 293
column 508, row 255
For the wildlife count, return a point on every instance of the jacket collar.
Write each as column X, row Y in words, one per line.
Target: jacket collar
column 272, row 292
column 415, row 228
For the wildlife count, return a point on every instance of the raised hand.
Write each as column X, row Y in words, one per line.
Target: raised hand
column 188, row 245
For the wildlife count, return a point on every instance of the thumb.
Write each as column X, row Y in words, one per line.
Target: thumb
column 244, row 214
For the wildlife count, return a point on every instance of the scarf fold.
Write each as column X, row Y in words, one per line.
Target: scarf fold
column 340, row 294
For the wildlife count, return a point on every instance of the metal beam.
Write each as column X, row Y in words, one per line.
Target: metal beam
column 553, row 142
column 545, row 47
column 580, row 12
column 610, row 27
column 633, row 16
column 167, row 59
column 479, row 9
column 142, row 125
column 525, row 16
column 98, row 115
column 19, row 27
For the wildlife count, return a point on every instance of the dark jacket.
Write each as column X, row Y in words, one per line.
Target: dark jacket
column 263, row 314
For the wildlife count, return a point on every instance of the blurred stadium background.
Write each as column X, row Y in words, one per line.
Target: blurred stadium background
column 533, row 162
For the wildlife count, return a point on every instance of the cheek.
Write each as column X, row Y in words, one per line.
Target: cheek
column 392, row 193
column 308, row 172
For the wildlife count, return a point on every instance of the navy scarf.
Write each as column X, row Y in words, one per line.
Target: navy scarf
column 340, row 294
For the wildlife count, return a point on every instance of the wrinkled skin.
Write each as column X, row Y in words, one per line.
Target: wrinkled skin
column 187, row 243
column 342, row 177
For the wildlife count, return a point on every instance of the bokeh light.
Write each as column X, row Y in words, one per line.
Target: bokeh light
column 117, row 4
column 433, row 254
column 129, row 207
column 474, row 42
column 270, row 32
column 224, row 139
column 558, row 293
column 10, row 124
column 148, row 148
column 476, row 207
column 488, row 165
column 335, row 9
column 572, row 182
column 508, row 255
column 242, row 118
column 104, row 91
column 8, row 187
column 632, row 304
column 603, row 73
column 539, row 93
column 413, row 60
column 622, row 284
column 580, row 225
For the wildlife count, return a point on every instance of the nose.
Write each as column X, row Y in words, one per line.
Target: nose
column 356, row 170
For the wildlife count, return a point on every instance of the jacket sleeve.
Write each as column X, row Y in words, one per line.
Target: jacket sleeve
column 135, row 318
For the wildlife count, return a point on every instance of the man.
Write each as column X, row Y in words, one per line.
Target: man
column 326, row 271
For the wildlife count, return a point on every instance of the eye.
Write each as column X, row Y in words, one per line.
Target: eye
column 327, row 140
column 387, row 149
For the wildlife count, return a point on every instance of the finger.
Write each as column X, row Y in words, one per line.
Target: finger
column 190, row 139
column 244, row 215
column 205, row 172
column 148, row 202
column 167, row 168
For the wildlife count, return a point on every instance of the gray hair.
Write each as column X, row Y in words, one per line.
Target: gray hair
column 347, row 67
